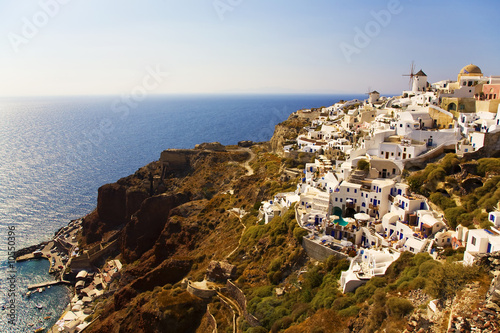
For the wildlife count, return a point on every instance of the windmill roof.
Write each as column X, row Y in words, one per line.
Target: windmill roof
column 420, row 73
column 375, row 92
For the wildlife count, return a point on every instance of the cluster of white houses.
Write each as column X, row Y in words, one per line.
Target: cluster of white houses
column 371, row 210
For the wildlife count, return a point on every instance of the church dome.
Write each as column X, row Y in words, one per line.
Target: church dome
column 471, row 69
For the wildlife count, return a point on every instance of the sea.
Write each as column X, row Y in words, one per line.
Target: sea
column 55, row 152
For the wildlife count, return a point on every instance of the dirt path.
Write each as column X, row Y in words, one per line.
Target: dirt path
column 246, row 164
column 239, row 216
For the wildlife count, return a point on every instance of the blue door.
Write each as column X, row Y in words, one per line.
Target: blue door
column 489, row 248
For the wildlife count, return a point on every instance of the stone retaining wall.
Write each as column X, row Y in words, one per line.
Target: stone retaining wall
column 201, row 293
column 320, row 252
column 238, row 295
column 211, row 320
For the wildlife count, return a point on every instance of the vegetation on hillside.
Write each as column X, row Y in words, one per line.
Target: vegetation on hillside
column 441, row 183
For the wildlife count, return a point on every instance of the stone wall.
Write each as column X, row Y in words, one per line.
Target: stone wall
column 320, row 252
column 491, row 147
column 241, row 299
column 107, row 250
column 174, row 159
column 211, row 320
column 422, row 160
column 201, row 293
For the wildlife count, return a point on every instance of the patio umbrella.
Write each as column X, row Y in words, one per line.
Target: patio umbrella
column 362, row 216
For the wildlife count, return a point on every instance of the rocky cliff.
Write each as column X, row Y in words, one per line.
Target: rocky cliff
column 175, row 217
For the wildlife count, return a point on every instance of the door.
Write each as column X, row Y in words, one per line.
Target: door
column 404, row 156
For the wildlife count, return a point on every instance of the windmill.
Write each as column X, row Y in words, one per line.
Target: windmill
column 369, row 91
column 412, row 74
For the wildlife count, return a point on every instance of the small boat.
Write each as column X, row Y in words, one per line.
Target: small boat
column 30, row 324
column 28, row 294
column 39, row 306
column 46, row 317
column 40, row 329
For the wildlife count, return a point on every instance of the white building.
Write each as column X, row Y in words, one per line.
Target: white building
column 367, row 264
column 481, row 241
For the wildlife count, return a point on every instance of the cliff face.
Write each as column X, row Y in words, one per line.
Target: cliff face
column 141, row 233
column 162, row 233
column 286, row 131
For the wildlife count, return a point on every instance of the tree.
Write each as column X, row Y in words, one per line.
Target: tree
column 363, row 165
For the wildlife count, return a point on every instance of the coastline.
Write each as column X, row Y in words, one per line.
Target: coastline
column 57, row 251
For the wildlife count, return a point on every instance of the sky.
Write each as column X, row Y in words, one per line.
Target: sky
column 89, row 47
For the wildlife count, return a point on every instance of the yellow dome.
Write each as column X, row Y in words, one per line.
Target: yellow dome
column 471, row 70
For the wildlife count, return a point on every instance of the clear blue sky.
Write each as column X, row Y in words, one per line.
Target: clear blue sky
column 246, row 46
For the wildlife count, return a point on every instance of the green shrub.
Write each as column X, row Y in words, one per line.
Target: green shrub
column 363, row 165
column 488, row 165
column 398, row 307
column 417, row 283
column 299, row 233
column 350, row 311
column 343, row 303
column 453, row 215
column 442, row 201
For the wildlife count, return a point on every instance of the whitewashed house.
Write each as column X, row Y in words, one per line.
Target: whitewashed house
column 481, row 241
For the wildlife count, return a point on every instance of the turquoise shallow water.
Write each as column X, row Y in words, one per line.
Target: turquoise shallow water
column 53, row 300
column 56, row 152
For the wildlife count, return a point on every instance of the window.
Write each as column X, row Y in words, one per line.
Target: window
column 393, row 171
column 336, row 199
column 409, row 155
column 412, row 249
column 347, row 189
column 399, row 153
column 400, row 125
column 392, row 154
column 473, row 240
column 340, row 199
column 404, row 149
column 355, row 191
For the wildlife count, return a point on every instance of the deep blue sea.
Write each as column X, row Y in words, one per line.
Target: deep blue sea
column 55, row 152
